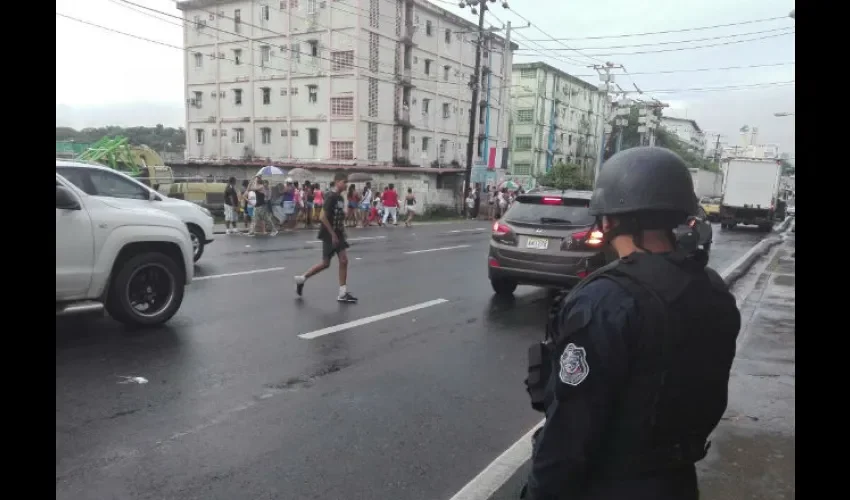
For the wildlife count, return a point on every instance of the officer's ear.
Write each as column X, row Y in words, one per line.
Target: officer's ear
column 606, row 224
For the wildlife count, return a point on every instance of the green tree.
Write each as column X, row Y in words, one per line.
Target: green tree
column 564, row 176
column 664, row 139
column 787, row 168
column 158, row 138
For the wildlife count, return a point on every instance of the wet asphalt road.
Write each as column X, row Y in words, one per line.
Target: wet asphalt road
column 238, row 406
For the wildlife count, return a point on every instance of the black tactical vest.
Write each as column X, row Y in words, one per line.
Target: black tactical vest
column 679, row 364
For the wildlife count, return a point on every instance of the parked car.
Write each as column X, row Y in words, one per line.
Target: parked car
column 123, row 190
column 546, row 238
column 133, row 262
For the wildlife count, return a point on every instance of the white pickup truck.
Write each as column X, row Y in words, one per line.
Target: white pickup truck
column 134, row 262
column 125, row 191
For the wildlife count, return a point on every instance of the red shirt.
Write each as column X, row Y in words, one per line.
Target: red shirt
column 390, row 198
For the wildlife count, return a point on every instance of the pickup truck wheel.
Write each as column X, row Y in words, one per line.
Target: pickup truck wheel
column 503, row 287
column 146, row 290
column 197, row 237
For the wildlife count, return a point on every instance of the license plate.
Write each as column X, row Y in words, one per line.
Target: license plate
column 537, row 243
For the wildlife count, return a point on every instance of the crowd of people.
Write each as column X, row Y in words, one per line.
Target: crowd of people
column 266, row 210
column 499, row 200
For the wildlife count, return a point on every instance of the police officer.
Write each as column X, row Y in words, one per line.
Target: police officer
column 640, row 351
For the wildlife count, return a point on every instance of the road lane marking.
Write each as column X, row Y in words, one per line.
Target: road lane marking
column 468, row 230
column 497, row 473
column 358, row 238
column 371, row 319
column 436, row 249
column 240, row 273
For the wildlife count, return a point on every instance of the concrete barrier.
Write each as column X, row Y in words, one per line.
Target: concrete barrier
column 734, row 272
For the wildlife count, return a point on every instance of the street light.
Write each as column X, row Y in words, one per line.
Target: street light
column 782, row 114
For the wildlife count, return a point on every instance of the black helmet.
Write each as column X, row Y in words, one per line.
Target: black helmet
column 644, row 179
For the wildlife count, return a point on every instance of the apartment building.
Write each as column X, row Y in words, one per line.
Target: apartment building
column 376, row 82
column 687, row 131
column 555, row 117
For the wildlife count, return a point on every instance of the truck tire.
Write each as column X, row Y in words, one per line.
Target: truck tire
column 503, row 287
column 198, row 245
column 765, row 228
column 150, row 279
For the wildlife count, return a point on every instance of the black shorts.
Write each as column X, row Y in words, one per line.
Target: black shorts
column 328, row 248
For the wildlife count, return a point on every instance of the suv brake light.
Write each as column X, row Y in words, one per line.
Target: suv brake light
column 551, row 201
column 500, row 229
column 589, row 238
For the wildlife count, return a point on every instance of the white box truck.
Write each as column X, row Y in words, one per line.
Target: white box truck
column 750, row 193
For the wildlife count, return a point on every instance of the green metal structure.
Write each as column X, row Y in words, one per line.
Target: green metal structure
column 114, row 152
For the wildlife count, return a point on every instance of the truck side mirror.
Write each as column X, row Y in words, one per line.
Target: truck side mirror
column 65, row 199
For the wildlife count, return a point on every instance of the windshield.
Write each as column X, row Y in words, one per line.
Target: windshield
column 532, row 211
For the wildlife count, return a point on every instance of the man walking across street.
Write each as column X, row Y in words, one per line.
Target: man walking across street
column 390, row 202
column 231, row 206
column 332, row 235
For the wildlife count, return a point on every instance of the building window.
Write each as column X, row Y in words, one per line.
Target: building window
column 342, row 60
column 312, row 6
column 314, row 48
column 570, row 140
column 239, row 135
column 522, row 169
column 237, row 97
column 446, row 110
column 293, row 4
column 426, row 103
column 446, row 71
column 266, row 135
column 426, row 141
column 448, row 36
column 237, row 56
column 528, row 74
column 198, row 101
column 267, row 95
column 444, row 144
column 296, row 52
column 199, row 136
column 428, row 28
column 265, row 55
column 294, row 133
column 342, row 150
column 264, row 12
column 312, row 93
column 523, row 142
column 237, row 20
column 525, row 115
column 199, row 59
column 314, row 136
column 342, row 106
column 427, row 66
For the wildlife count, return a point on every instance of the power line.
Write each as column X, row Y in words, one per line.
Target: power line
column 566, row 47
column 682, row 30
column 698, row 70
column 672, row 42
column 728, row 87
column 691, row 48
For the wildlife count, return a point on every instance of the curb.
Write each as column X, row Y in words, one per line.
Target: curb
column 734, row 272
column 433, row 223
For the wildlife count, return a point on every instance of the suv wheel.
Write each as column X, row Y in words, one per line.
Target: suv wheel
column 197, row 237
column 503, row 286
column 146, row 290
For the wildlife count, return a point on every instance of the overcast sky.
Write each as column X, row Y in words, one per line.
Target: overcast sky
column 106, row 78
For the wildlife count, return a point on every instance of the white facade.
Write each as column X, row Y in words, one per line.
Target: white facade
column 340, row 81
column 767, row 151
column 687, row 131
column 554, row 117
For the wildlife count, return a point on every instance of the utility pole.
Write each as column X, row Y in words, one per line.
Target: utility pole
column 475, row 84
column 606, row 78
column 717, row 150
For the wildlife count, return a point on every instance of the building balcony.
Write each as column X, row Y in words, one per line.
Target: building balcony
column 405, row 77
column 407, row 34
column 403, row 118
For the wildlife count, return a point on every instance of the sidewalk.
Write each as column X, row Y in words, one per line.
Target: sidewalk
column 220, row 228
column 752, row 455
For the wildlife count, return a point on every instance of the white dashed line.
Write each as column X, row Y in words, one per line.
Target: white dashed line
column 240, row 273
column 436, row 249
column 371, row 319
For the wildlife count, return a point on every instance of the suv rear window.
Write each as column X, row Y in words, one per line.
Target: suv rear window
column 532, row 210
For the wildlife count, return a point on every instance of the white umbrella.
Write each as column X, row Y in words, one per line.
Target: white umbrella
column 270, row 170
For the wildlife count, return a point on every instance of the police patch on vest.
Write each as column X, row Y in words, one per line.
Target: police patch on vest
column 574, row 367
